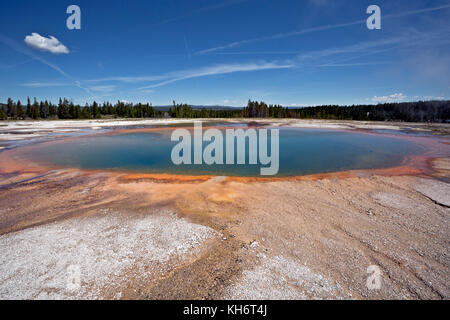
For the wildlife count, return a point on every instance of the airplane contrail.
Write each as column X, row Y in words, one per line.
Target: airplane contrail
column 15, row 46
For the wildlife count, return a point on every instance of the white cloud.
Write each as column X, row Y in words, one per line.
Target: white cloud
column 428, row 98
column 396, row 97
column 41, row 43
column 19, row 48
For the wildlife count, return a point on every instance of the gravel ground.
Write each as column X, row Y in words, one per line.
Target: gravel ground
column 134, row 237
column 105, row 250
column 281, row 278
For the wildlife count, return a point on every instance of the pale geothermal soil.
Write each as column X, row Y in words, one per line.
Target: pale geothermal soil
column 19, row 131
column 223, row 238
column 35, row 261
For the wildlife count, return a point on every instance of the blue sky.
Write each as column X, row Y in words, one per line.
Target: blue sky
column 225, row 52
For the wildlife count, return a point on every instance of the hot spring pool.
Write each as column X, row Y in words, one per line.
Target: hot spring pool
column 301, row 152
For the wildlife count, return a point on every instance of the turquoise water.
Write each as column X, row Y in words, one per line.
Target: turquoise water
column 302, row 151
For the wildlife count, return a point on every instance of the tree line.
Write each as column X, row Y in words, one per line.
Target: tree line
column 422, row 111
column 66, row 109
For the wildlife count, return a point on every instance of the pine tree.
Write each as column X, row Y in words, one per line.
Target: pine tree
column 20, row 113
column 35, row 109
column 63, row 110
column 96, row 111
column 12, row 110
column 29, row 108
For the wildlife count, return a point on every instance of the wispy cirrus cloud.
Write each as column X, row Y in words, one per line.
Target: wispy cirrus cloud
column 146, row 90
column 329, row 57
column 276, row 36
column 45, row 84
column 219, row 70
column 315, row 29
column 107, row 88
column 340, row 56
column 166, row 78
column 129, row 79
column 354, row 48
column 50, row 44
column 356, row 64
column 4, row 66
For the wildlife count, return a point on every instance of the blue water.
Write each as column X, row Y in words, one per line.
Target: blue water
column 302, row 151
